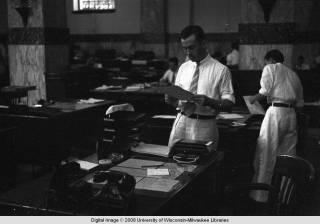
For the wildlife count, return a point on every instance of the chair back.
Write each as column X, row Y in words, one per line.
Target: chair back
column 292, row 179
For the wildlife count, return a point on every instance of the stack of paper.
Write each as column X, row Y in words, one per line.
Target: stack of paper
column 156, row 186
column 140, row 163
column 230, row 116
column 85, row 165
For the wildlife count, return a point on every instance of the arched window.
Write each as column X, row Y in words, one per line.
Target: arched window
column 87, row 6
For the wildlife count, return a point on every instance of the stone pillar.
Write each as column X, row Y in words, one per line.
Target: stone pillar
column 38, row 48
column 154, row 25
column 258, row 36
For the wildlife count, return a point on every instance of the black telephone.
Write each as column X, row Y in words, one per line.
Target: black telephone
column 70, row 190
column 117, row 191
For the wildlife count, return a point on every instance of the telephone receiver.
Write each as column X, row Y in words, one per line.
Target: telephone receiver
column 118, row 189
column 114, row 179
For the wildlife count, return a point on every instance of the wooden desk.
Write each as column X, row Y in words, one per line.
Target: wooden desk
column 13, row 94
column 49, row 132
column 141, row 205
column 146, row 100
column 312, row 109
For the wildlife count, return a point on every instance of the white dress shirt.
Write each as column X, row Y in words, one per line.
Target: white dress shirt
column 281, row 84
column 214, row 81
column 169, row 76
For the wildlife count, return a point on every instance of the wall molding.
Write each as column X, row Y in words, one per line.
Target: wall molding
column 54, row 36
column 147, row 37
column 38, row 36
column 214, row 37
column 267, row 33
column 3, row 37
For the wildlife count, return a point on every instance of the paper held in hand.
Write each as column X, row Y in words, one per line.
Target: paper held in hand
column 254, row 108
column 176, row 92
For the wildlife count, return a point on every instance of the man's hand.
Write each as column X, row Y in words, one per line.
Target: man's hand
column 201, row 100
column 187, row 107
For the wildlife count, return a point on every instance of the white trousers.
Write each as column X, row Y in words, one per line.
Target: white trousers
column 194, row 129
column 278, row 136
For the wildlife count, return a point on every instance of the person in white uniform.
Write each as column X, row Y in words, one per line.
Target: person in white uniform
column 278, row 134
column 233, row 57
column 170, row 75
column 210, row 81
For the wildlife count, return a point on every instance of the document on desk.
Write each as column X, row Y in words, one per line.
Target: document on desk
column 157, row 172
column 164, row 117
column 151, row 149
column 90, row 100
column 140, row 163
column 131, row 171
column 254, row 108
column 230, row 116
column 176, row 92
column 155, row 186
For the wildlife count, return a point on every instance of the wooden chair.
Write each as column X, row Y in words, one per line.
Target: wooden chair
column 291, row 185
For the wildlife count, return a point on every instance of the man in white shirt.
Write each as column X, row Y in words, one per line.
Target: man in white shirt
column 210, row 81
column 278, row 134
column 233, row 57
column 170, row 75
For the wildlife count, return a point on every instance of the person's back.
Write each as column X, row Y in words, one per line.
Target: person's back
column 286, row 84
column 278, row 132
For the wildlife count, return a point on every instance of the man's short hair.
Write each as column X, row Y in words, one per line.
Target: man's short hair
column 174, row 60
column 274, row 54
column 193, row 29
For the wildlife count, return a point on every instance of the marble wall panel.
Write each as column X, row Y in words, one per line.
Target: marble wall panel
column 302, row 14
column 27, row 68
column 251, row 12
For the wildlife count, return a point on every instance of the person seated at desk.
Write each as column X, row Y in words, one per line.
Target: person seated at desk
column 301, row 64
column 170, row 75
column 278, row 132
column 233, row 57
column 209, row 81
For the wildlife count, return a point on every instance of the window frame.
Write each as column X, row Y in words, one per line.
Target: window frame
column 86, row 11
